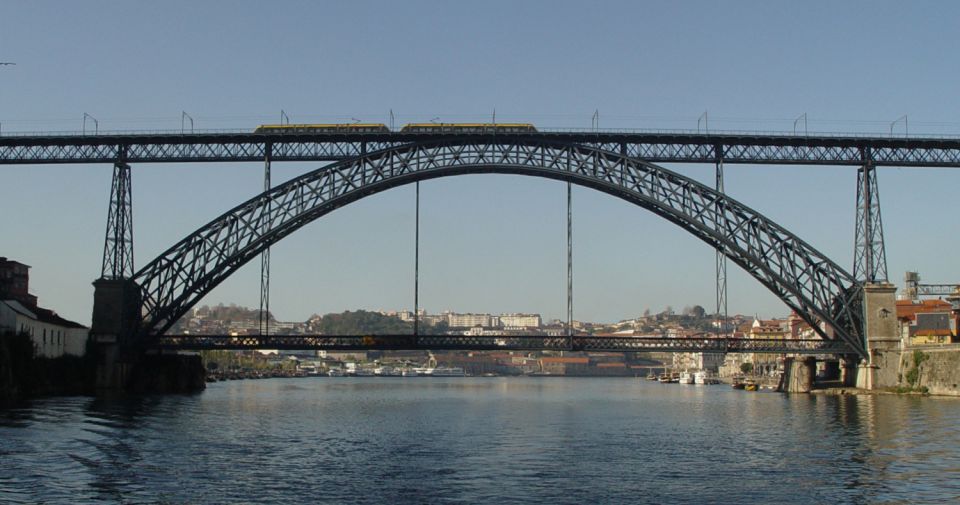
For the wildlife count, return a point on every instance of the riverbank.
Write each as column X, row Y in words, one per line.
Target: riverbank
column 24, row 375
column 850, row 391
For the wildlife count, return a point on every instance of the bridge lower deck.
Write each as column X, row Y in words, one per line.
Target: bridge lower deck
column 496, row 343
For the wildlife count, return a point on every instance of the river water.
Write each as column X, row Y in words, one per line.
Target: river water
column 481, row 440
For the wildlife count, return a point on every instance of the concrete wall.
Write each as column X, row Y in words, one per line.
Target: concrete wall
column 887, row 373
column 940, row 373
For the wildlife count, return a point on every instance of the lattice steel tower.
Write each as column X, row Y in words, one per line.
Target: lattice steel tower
column 870, row 257
column 118, row 244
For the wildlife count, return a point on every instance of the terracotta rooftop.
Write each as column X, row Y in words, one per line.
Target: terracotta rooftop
column 569, row 361
column 928, row 332
column 907, row 309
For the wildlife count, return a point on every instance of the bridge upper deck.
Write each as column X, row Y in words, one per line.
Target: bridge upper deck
column 652, row 146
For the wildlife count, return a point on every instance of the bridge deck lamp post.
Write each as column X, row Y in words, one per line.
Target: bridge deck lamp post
column 906, row 125
column 183, row 117
column 802, row 117
column 96, row 124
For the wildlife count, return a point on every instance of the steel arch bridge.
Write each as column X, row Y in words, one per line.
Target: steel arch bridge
column 806, row 280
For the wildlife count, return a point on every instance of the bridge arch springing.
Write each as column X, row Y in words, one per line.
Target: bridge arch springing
column 806, row 280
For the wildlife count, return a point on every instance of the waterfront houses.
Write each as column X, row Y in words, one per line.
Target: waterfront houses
column 927, row 322
column 52, row 336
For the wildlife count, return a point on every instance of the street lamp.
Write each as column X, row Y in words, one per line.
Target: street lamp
column 96, row 124
column 795, row 121
column 906, row 126
column 183, row 117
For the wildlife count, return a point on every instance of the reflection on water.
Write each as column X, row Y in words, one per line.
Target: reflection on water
column 481, row 440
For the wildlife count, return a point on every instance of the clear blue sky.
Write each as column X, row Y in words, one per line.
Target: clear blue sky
column 489, row 243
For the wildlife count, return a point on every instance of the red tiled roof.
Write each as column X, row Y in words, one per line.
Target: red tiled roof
column 569, row 361
column 907, row 309
column 933, row 333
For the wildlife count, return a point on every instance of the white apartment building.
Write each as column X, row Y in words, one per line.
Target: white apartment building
column 468, row 320
column 520, row 320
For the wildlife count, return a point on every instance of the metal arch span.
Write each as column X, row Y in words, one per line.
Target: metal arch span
column 806, row 280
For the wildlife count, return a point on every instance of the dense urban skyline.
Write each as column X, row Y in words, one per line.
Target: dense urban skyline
column 488, row 243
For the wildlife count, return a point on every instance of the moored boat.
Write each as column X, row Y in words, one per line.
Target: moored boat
column 705, row 378
column 685, row 378
column 442, row 371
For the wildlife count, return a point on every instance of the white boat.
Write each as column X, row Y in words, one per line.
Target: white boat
column 363, row 372
column 409, row 372
column 424, row 371
column 442, row 371
column 686, row 378
column 705, row 378
column 335, row 372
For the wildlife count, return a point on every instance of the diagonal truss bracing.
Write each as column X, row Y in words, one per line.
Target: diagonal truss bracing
column 807, row 281
column 653, row 147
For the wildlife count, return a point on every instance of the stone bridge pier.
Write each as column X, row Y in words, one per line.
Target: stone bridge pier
column 123, row 364
column 880, row 370
column 116, row 315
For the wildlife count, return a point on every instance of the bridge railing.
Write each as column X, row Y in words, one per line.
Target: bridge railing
column 541, row 130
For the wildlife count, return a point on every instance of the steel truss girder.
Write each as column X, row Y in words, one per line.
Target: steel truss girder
column 498, row 343
column 652, row 147
column 806, row 280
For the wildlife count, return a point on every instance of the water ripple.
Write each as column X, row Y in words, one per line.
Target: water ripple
column 370, row 440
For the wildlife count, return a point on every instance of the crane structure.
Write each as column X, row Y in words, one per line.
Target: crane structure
column 914, row 289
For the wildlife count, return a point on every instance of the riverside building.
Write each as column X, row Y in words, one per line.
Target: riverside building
column 52, row 336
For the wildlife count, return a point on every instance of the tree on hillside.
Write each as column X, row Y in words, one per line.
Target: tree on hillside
column 696, row 312
column 362, row 322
